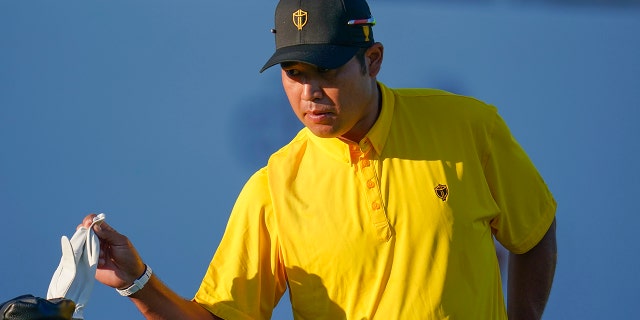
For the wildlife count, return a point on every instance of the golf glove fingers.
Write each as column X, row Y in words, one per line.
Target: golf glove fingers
column 75, row 276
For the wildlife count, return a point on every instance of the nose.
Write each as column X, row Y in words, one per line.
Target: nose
column 311, row 91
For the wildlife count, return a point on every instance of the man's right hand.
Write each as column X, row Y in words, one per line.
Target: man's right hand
column 119, row 263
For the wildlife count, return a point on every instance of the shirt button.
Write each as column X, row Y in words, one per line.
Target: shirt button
column 375, row 206
column 365, row 163
column 371, row 184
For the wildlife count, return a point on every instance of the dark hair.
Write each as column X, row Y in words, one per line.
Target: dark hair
column 360, row 57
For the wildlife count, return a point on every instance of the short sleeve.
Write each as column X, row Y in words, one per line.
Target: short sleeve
column 527, row 207
column 245, row 279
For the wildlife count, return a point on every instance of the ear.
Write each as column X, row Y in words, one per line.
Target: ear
column 374, row 57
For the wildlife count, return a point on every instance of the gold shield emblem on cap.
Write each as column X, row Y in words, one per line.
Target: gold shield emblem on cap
column 300, row 19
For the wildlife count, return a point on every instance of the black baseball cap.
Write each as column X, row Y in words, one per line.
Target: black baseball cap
column 324, row 33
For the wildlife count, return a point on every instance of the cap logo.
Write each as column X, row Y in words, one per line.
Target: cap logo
column 367, row 32
column 442, row 191
column 300, row 19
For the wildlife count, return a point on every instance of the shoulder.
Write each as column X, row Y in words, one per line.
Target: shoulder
column 256, row 186
column 435, row 99
column 291, row 150
column 439, row 108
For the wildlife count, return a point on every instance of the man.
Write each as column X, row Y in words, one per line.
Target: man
column 384, row 206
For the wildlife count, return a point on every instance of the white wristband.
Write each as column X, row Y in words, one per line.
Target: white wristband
column 137, row 284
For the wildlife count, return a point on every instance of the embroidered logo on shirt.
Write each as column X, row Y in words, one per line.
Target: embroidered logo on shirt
column 442, row 191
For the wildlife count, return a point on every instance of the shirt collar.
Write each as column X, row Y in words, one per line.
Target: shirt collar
column 380, row 130
column 376, row 137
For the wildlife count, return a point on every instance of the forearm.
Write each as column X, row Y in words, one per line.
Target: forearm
column 120, row 265
column 156, row 301
column 530, row 278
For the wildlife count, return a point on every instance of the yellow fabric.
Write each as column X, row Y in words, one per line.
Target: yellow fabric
column 359, row 231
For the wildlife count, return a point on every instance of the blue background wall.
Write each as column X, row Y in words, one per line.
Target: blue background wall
column 154, row 112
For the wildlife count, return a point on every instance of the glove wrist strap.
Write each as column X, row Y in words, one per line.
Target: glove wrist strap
column 137, row 284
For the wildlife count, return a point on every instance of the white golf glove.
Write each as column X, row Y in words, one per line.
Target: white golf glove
column 75, row 276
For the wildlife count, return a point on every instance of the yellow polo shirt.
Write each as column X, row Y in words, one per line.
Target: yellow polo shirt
column 398, row 226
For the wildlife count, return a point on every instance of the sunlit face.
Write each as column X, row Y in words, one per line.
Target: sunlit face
column 340, row 102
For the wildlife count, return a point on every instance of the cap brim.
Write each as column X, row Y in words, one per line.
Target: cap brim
column 321, row 55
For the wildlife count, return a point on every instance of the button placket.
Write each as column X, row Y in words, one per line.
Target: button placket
column 369, row 179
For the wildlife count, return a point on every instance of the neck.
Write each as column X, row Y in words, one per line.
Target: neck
column 361, row 129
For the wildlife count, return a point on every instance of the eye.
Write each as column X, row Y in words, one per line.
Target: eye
column 292, row 72
column 323, row 70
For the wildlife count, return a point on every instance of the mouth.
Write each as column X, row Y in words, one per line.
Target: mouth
column 319, row 116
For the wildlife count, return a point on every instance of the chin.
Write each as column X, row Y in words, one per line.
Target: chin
column 323, row 133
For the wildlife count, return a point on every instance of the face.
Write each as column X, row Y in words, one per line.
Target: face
column 340, row 102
